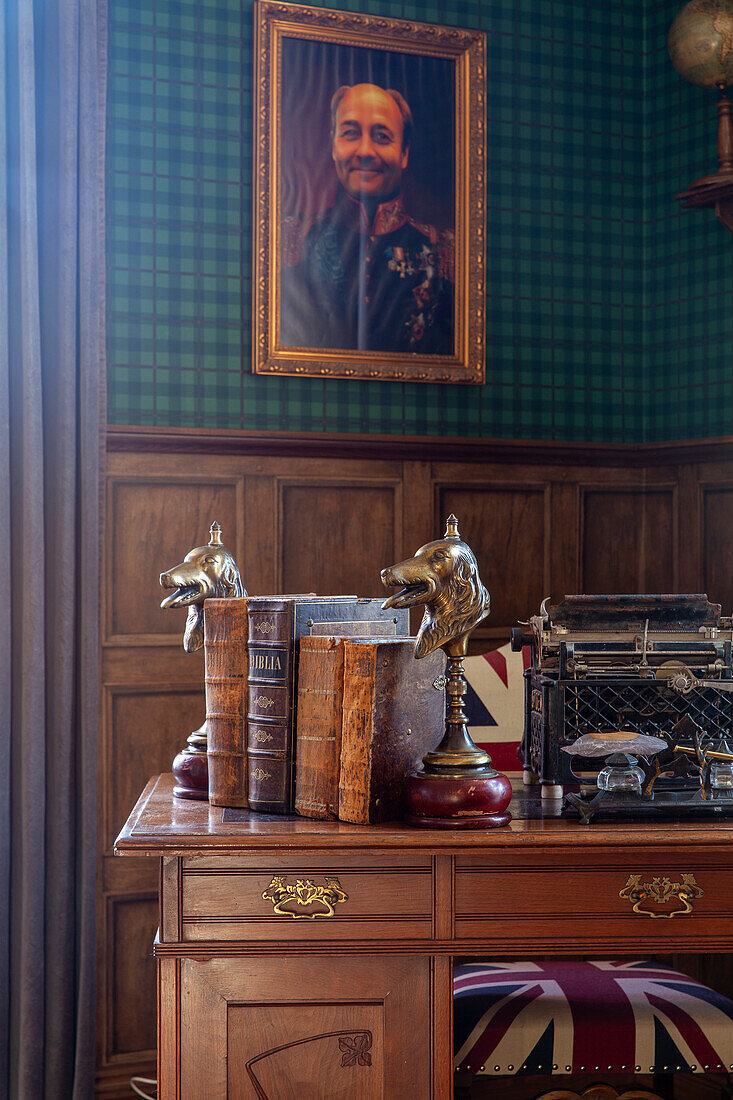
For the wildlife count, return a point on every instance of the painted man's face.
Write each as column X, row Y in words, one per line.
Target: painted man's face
column 367, row 143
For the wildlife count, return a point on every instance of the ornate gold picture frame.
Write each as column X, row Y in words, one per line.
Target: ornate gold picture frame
column 369, row 197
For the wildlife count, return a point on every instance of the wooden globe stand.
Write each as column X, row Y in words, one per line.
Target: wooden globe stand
column 457, row 788
column 717, row 190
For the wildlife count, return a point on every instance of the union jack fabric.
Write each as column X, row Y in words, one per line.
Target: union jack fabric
column 587, row 1017
column 495, row 703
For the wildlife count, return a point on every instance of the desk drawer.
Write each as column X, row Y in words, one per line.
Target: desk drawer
column 630, row 901
column 313, row 898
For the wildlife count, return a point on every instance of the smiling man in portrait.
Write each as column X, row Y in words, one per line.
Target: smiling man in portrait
column 364, row 274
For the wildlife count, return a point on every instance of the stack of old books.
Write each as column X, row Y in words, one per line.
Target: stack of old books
column 316, row 705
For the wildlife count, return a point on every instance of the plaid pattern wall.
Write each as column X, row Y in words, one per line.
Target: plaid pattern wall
column 586, row 338
column 688, row 313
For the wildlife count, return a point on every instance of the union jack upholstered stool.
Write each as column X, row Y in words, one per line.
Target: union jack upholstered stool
column 599, row 1018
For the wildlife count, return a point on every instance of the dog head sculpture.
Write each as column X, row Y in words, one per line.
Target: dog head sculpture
column 206, row 572
column 443, row 575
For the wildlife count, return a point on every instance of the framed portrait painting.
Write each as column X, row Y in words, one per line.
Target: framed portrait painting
column 369, row 197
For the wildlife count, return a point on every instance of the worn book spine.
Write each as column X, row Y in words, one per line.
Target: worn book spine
column 276, row 625
column 318, row 733
column 225, row 657
column 393, row 713
column 357, row 733
column 269, row 749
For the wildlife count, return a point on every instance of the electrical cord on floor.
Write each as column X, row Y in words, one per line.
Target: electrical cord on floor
column 136, row 1082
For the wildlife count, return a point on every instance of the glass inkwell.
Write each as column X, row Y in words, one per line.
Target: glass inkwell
column 620, row 780
column 720, row 755
column 621, row 773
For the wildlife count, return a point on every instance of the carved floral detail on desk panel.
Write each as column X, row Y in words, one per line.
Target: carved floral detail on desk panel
column 355, row 1049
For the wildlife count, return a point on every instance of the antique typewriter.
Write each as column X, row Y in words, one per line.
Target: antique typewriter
column 628, row 673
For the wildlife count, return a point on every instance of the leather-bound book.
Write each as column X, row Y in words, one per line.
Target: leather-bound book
column 318, row 731
column 276, row 625
column 225, row 657
column 392, row 715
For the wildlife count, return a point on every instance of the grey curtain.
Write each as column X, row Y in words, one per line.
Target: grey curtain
column 52, row 81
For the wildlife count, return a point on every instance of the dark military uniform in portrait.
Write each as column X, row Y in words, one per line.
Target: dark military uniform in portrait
column 385, row 286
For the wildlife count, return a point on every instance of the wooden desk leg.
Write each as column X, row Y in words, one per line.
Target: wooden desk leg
column 169, row 1017
column 441, row 974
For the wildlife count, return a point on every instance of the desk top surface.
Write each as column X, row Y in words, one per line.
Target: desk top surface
column 161, row 825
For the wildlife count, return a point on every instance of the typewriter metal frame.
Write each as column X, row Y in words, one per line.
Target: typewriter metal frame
column 604, row 663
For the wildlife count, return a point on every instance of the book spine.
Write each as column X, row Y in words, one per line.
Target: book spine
column 357, row 732
column 269, row 726
column 225, row 660
column 318, row 732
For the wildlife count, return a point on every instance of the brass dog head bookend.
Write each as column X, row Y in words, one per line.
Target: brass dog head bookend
column 457, row 786
column 206, row 572
column 443, row 575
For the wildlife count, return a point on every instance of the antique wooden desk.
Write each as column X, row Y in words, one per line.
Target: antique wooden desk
column 352, row 999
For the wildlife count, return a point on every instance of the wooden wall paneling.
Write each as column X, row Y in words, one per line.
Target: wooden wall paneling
column 152, row 523
column 628, row 538
column 337, row 535
column 164, row 664
column 690, row 527
column 717, row 539
column 131, row 442
column 147, row 725
column 131, row 1019
column 258, row 565
column 419, row 523
column 563, row 505
column 507, row 527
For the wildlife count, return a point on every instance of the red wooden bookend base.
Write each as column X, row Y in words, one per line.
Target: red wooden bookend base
column 191, row 773
column 458, row 802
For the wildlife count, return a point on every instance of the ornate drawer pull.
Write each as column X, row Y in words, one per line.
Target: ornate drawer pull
column 661, row 891
column 304, row 894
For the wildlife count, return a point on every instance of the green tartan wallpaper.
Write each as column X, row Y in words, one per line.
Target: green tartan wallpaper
column 688, row 253
column 608, row 309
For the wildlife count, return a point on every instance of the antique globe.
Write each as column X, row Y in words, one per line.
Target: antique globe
column 701, row 43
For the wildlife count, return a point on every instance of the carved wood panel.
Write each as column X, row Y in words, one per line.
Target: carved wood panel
column 271, row 1024
column 627, row 540
column 150, row 724
column 155, row 523
column 336, row 538
column 289, row 1050
column 717, row 518
column 131, row 1020
column 508, row 532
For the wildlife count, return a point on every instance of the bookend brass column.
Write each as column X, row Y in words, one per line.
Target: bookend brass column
column 206, row 572
column 456, row 788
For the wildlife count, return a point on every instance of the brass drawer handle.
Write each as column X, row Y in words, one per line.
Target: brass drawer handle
column 661, row 891
column 304, row 894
